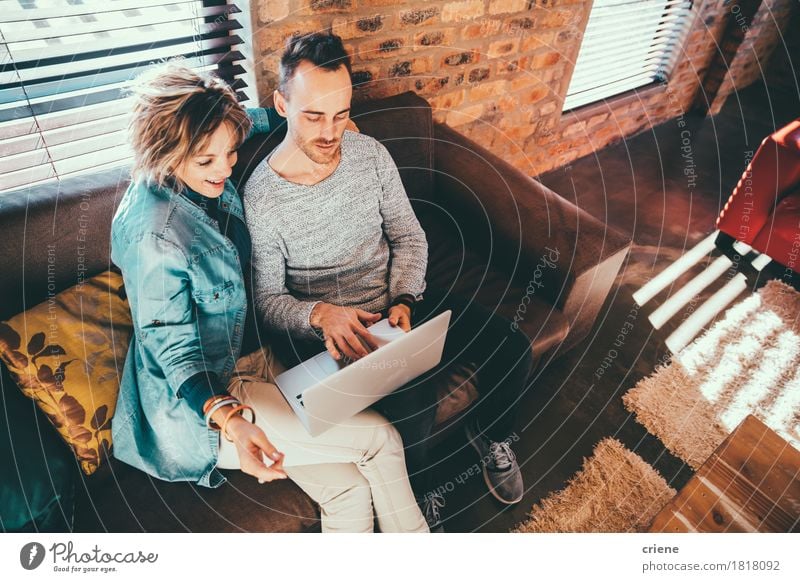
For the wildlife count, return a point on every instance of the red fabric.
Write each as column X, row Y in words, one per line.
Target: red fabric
column 780, row 238
column 764, row 208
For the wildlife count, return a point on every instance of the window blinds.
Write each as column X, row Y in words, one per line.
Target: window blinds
column 627, row 44
column 65, row 66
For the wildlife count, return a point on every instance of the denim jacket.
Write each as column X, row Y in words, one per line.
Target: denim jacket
column 187, row 297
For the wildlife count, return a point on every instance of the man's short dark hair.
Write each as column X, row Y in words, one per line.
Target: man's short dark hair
column 323, row 49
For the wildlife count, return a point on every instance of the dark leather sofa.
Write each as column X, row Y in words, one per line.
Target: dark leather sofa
column 494, row 234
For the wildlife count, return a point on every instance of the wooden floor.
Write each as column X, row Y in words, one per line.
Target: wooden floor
column 640, row 187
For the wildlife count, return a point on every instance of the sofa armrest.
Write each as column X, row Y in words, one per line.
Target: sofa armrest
column 555, row 249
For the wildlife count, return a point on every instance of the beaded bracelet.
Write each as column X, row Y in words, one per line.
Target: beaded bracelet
column 209, row 422
column 239, row 409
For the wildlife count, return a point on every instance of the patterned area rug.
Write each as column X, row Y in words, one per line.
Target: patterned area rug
column 746, row 363
column 615, row 491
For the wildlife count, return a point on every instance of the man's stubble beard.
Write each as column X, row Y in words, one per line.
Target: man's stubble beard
column 311, row 152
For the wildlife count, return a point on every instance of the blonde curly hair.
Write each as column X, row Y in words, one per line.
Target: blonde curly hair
column 175, row 112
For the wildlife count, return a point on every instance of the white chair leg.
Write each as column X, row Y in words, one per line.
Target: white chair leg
column 675, row 270
column 714, row 271
column 689, row 329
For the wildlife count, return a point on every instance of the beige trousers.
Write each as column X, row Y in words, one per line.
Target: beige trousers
column 348, row 470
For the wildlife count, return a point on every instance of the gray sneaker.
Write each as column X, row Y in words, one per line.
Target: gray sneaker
column 500, row 469
column 431, row 507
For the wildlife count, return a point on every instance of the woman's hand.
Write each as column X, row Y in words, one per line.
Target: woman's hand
column 251, row 444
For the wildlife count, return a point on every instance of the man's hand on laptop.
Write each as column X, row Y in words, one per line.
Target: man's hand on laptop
column 345, row 330
column 400, row 315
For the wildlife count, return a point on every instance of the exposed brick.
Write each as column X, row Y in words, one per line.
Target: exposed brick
column 546, row 137
column 504, row 80
column 558, row 149
column 573, row 129
column 418, row 16
column 537, row 93
column 512, row 67
column 516, row 134
column 330, row 5
column 350, row 29
column 465, row 115
column 569, row 36
column 517, row 26
column 409, row 67
column 523, row 81
column 432, row 86
column 461, row 11
column 548, row 108
column 483, row 133
column 462, row 58
column 447, row 101
column 401, row 69
column 430, row 38
column 537, row 41
column 508, row 104
column 554, row 18
column 426, row 39
column 382, row 48
column 370, row 24
column 391, row 45
column 487, row 90
column 503, row 6
column 503, row 47
column 272, row 10
column 515, row 130
column 596, row 120
column 504, row 113
column 483, row 29
column 547, row 59
column 344, row 28
column 478, row 75
column 273, row 38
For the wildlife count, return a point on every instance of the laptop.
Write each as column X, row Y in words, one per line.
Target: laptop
column 324, row 392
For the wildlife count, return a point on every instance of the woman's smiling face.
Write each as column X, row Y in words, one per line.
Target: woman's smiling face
column 205, row 171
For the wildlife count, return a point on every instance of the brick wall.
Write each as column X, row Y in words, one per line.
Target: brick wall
column 495, row 69
column 784, row 65
column 755, row 28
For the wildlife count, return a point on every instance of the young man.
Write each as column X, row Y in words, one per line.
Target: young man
column 336, row 245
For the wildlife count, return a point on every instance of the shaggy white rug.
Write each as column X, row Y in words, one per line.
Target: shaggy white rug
column 746, row 363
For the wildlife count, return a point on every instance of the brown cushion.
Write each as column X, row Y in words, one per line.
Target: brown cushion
column 55, row 235
column 123, row 499
column 67, row 354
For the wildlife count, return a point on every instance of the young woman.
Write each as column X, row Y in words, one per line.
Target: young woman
column 186, row 407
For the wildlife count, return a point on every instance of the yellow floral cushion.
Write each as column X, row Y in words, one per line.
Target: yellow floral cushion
column 67, row 354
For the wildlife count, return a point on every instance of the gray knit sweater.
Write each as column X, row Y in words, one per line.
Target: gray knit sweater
column 351, row 239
